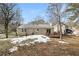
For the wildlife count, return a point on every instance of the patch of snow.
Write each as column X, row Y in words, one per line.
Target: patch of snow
column 21, row 44
column 13, row 49
column 27, row 44
column 32, row 42
column 36, row 38
column 63, row 42
column 18, row 40
column 39, row 38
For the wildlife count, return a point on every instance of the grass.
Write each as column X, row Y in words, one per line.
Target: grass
column 4, row 47
column 52, row 48
column 47, row 49
column 10, row 35
column 71, row 39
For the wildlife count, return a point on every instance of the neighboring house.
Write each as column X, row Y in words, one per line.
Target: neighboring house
column 63, row 26
column 43, row 29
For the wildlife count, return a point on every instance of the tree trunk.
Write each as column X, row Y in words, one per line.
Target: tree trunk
column 60, row 29
column 6, row 29
column 16, row 32
column 60, row 32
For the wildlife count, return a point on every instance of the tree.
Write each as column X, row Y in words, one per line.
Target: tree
column 38, row 20
column 1, row 24
column 17, row 21
column 74, row 9
column 7, row 11
column 56, row 14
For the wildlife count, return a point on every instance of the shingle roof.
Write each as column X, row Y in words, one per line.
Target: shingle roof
column 36, row 26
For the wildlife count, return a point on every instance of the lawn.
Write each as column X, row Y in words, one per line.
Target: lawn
column 51, row 48
column 4, row 47
column 48, row 49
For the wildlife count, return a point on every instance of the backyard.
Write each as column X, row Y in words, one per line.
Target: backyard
column 69, row 46
column 39, row 29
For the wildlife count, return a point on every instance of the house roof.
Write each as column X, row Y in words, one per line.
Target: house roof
column 36, row 26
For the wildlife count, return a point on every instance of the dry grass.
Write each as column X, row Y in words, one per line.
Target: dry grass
column 52, row 48
column 71, row 39
column 4, row 47
column 47, row 49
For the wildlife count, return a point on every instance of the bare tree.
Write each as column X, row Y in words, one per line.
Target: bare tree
column 38, row 20
column 7, row 14
column 56, row 14
column 17, row 21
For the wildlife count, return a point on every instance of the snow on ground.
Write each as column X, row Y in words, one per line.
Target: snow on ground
column 18, row 40
column 14, row 48
column 63, row 42
column 39, row 38
column 27, row 40
column 35, row 38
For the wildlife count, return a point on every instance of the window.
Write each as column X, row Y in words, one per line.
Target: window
column 22, row 29
column 48, row 31
column 37, row 29
column 25, row 29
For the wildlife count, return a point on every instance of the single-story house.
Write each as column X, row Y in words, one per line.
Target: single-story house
column 39, row 29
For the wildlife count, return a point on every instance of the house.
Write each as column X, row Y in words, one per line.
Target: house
column 39, row 29
column 63, row 26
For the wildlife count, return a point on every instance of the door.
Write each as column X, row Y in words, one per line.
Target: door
column 48, row 31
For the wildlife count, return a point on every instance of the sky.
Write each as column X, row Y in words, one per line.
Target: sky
column 31, row 10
